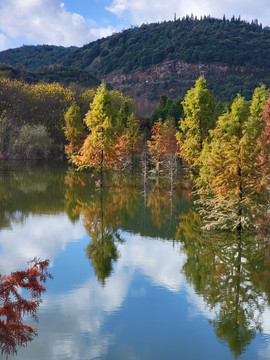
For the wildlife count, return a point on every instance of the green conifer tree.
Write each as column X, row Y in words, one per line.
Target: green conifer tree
column 199, row 110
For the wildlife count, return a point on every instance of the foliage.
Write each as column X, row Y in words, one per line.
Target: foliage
column 199, row 111
column 264, row 143
column 14, row 306
column 66, row 76
column 113, row 132
column 188, row 39
column 31, row 142
column 163, row 145
column 34, row 104
column 241, row 46
column 167, row 109
column 74, row 130
column 130, row 141
column 231, row 177
column 221, row 267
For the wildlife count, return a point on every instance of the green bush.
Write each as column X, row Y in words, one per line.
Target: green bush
column 32, row 142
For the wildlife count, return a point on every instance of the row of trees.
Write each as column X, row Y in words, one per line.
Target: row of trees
column 228, row 156
column 110, row 136
column 225, row 146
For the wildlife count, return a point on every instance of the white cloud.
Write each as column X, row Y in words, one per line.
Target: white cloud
column 150, row 256
column 39, row 236
column 71, row 323
column 139, row 11
column 47, row 22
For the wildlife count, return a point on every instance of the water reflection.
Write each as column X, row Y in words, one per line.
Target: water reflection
column 26, row 188
column 231, row 271
column 136, row 274
column 103, row 210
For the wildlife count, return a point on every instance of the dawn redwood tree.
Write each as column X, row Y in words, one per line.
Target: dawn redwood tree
column 106, row 120
column 13, row 306
column 264, row 143
column 163, row 145
column 199, row 118
column 74, row 130
column 99, row 148
column 230, row 178
column 130, row 141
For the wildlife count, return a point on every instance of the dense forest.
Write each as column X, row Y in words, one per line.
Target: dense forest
column 235, row 55
column 206, row 40
column 63, row 75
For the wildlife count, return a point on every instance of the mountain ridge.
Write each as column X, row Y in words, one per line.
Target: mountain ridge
column 167, row 57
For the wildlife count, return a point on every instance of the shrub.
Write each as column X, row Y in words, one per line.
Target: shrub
column 32, row 142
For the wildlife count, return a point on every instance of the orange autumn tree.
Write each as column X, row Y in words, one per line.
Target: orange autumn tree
column 264, row 142
column 130, row 140
column 13, row 306
column 163, row 145
column 230, row 181
column 106, row 122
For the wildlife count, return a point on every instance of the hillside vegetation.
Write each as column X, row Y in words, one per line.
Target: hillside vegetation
column 192, row 40
column 145, row 62
column 54, row 73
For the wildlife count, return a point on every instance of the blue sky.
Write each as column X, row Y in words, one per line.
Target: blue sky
column 78, row 22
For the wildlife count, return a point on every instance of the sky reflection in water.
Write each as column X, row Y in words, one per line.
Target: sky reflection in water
column 146, row 308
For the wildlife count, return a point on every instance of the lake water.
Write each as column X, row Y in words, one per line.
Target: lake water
column 134, row 277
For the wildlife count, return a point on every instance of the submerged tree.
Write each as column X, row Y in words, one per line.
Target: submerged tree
column 264, row 143
column 163, row 146
column 13, row 332
column 130, row 141
column 112, row 131
column 230, row 178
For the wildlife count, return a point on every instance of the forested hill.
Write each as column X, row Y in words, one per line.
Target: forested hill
column 191, row 40
column 167, row 57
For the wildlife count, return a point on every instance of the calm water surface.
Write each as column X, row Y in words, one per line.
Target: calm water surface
column 134, row 277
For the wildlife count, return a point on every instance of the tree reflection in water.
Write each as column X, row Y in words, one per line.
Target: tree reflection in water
column 103, row 210
column 13, row 332
column 231, row 271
